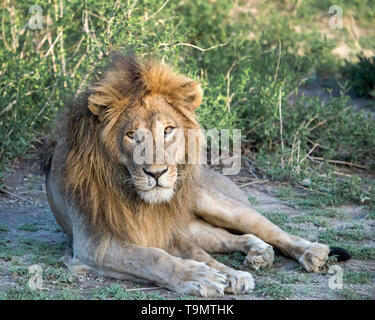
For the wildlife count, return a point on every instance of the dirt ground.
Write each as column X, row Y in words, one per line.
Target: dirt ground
column 29, row 235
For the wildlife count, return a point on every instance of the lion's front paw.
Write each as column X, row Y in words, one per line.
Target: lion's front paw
column 314, row 257
column 240, row 282
column 260, row 255
column 200, row 280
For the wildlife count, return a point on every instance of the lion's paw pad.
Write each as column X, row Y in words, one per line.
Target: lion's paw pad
column 240, row 282
column 260, row 256
column 314, row 257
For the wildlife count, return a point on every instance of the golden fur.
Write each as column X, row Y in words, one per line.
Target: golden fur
column 92, row 172
column 140, row 221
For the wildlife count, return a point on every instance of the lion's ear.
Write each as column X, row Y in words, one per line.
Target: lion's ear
column 193, row 94
column 99, row 101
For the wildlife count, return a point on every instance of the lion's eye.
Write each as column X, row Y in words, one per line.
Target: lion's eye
column 168, row 129
column 130, row 134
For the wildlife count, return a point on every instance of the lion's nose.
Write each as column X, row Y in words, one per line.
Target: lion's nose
column 155, row 174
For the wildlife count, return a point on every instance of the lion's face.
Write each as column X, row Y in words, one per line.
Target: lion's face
column 146, row 110
column 154, row 178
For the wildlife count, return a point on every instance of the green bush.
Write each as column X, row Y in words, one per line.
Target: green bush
column 248, row 64
column 361, row 75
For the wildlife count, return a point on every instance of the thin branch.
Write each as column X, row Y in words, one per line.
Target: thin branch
column 73, row 73
column 318, row 144
column 16, row 196
column 227, row 77
column 62, row 49
column 129, row 13
column 339, row 173
column 310, row 151
column 194, row 46
column 350, row 164
column 142, row 289
column 308, row 189
column 40, row 44
column 281, row 130
column 157, row 11
column 13, row 27
column 278, row 64
column 49, row 38
column 51, row 47
column 8, row 107
column 3, row 29
column 47, row 102
column 252, row 182
column 297, row 7
column 320, row 123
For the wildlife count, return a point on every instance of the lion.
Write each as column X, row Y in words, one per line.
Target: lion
column 158, row 221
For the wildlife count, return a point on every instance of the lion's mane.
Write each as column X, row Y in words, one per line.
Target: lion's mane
column 94, row 181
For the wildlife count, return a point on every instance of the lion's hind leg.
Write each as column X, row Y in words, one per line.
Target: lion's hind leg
column 218, row 240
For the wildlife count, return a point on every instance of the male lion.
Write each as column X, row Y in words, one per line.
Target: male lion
column 154, row 222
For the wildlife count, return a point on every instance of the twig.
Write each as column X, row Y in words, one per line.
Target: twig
column 312, row 190
column 78, row 64
column 353, row 32
column 350, row 164
column 49, row 38
column 250, row 165
column 13, row 27
column 298, row 151
column 129, row 13
column 109, row 24
column 252, row 182
column 278, row 64
column 310, row 151
column 295, row 11
column 16, row 196
column 320, row 123
column 311, row 120
column 142, row 289
column 3, row 30
column 79, row 45
column 83, row 82
column 8, row 107
column 41, row 43
column 62, row 49
column 52, row 46
column 47, row 102
column 227, row 77
column 318, row 144
column 290, row 161
column 157, row 11
column 339, row 173
column 281, row 130
column 194, row 46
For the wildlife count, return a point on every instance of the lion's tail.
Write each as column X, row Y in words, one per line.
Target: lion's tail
column 340, row 253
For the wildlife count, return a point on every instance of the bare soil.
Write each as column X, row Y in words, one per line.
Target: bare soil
column 30, row 235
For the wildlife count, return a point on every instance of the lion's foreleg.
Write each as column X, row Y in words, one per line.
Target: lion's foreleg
column 124, row 260
column 226, row 212
column 239, row 282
